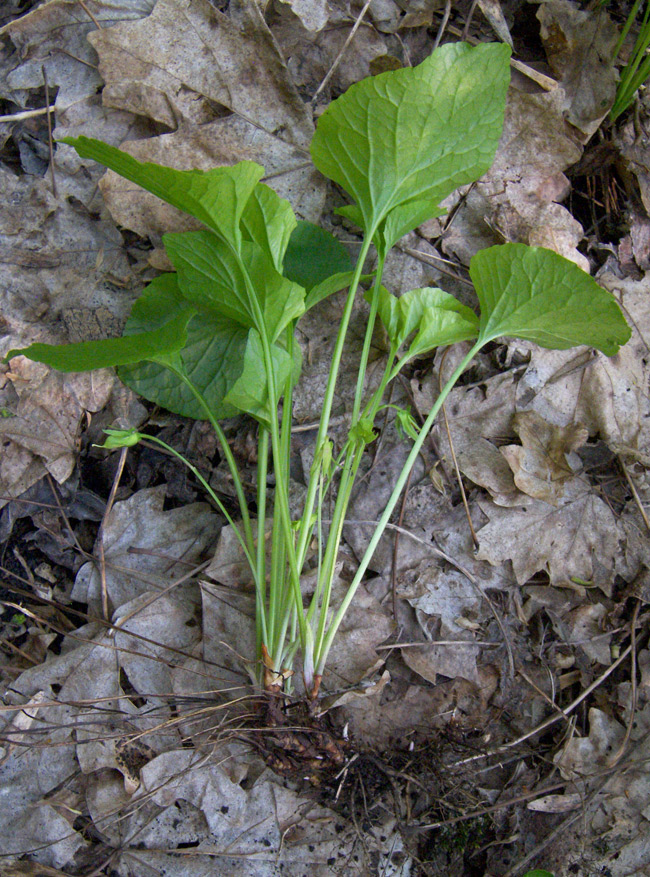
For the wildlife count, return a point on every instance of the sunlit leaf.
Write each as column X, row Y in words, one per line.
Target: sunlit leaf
column 535, row 294
column 216, row 197
column 248, row 290
column 415, row 134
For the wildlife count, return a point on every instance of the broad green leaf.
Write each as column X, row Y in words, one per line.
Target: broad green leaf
column 438, row 318
column 213, row 356
column 270, row 222
column 448, row 323
column 415, row 134
column 536, row 294
column 250, row 393
column 314, row 255
column 167, row 337
column 216, row 197
column 212, row 277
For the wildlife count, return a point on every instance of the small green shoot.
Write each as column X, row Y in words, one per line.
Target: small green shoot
column 218, row 335
column 637, row 70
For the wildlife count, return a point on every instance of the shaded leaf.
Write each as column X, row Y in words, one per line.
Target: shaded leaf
column 536, row 294
column 212, row 357
column 416, row 133
column 270, row 222
column 314, row 255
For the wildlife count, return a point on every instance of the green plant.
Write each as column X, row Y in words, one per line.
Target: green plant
column 217, row 336
column 637, row 70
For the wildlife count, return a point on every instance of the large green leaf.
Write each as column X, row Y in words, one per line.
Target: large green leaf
column 166, row 337
column 536, row 294
column 214, row 279
column 314, row 255
column 437, row 317
column 415, row 134
column 212, row 358
column 216, row 197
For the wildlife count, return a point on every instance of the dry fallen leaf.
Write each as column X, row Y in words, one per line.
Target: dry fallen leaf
column 218, row 82
column 539, row 465
column 565, row 542
column 579, row 46
column 146, row 547
column 518, row 199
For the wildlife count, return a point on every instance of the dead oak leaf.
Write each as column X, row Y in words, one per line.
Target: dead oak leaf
column 566, row 542
column 539, row 465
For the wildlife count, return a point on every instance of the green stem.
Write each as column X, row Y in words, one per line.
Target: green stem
column 367, row 341
column 306, row 523
column 260, row 590
column 323, row 651
column 228, row 456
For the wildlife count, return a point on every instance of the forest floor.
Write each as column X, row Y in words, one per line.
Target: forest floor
column 487, row 704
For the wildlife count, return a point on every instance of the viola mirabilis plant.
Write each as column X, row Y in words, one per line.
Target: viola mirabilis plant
column 216, row 337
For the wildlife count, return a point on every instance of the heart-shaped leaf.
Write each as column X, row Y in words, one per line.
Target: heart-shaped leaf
column 245, row 289
column 438, row 318
column 536, row 294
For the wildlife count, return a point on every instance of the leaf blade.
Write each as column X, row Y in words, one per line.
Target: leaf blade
column 536, row 294
column 415, row 133
column 217, row 197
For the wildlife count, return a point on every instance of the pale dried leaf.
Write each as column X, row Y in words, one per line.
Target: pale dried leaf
column 166, row 542
column 565, row 542
column 517, row 200
column 540, row 466
column 586, row 756
column 579, row 46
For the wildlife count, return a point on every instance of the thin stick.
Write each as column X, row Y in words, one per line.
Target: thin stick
column 50, row 142
column 460, row 568
column 443, row 24
column 26, row 114
column 459, row 477
column 100, row 536
column 89, row 14
column 396, row 545
column 561, row 714
column 337, row 60
column 637, row 498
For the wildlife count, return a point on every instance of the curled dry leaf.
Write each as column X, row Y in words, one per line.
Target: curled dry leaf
column 540, row 466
